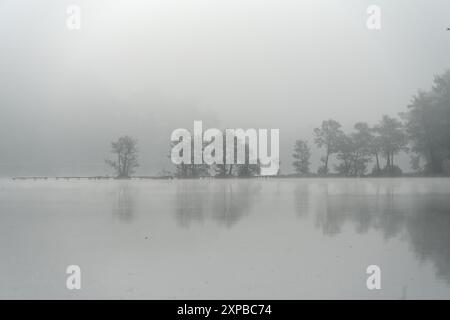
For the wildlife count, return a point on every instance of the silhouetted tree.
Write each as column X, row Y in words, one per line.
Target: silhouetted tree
column 392, row 140
column 234, row 169
column 191, row 170
column 125, row 148
column 354, row 150
column 302, row 155
column 345, row 153
column 427, row 123
column 375, row 149
column 248, row 169
column 223, row 169
column 362, row 140
column 327, row 136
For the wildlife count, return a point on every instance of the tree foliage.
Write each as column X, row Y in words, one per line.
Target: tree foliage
column 302, row 155
column 126, row 151
column 328, row 135
column 428, row 126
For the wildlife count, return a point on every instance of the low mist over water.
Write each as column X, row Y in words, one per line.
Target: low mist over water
column 225, row 149
column 245, row 238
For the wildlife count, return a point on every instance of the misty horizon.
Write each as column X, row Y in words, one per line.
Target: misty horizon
column 224, row 149
column 144, row 69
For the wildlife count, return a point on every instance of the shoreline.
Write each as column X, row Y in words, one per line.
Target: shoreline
column 293, row 176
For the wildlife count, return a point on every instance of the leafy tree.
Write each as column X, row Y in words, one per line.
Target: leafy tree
column 327, row 136
column 392, row 139
column 375, row 149
column 246, row 169
column 427, row 123
column 223, row 169
column 346, row 154
column 191, row 170
column 126, row 151
column 302, row 155
column 355, row 150
column 362, row 140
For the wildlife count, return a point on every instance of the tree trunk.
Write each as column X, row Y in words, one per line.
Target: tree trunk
column 119, row 165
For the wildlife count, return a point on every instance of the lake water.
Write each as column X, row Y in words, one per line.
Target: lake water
column 208, row 239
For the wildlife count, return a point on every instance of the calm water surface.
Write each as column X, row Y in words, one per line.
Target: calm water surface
column 206, row 239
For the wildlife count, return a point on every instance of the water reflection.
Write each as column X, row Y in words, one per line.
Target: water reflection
column 124, row 204
column 421, row 218
column 189, row 202
column 301, row 198
column 415, row 212
column 225, row 202
column 429, row 231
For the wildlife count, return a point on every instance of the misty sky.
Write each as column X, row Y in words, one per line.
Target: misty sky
column 144, row 68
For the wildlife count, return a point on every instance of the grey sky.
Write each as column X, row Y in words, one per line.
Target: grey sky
column 144, row 68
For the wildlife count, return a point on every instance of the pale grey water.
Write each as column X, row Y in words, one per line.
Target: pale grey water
column 206, row 239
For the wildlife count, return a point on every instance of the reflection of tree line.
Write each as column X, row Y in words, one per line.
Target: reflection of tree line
column 423, row 218
column 430, row 232
column 195, row 200
column 225, row 203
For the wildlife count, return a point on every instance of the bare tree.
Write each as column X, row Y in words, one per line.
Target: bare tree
column 125, row 148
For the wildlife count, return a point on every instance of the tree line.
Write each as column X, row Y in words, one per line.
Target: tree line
column 354, row 151
column 126, row 162
column 423, row 131
column 224, row 170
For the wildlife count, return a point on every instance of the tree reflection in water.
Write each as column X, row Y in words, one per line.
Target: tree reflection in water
column 125, row 201
column 223, row 201
column 423, row 218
